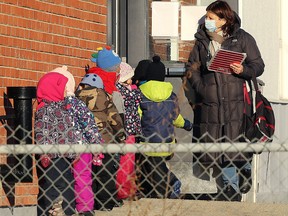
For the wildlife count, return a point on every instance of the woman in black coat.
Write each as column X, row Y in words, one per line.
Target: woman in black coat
column 220, row 111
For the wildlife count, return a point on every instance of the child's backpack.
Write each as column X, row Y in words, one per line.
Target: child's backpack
column 259, row 120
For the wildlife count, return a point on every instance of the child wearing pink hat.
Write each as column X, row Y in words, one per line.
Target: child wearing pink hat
column 53, row 125
column 86, row 133
column 132, row 124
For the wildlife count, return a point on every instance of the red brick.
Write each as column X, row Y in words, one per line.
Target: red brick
column 26, row 200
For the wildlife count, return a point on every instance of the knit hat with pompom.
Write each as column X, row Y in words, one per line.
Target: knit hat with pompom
column 105, row 58
column 156, row 70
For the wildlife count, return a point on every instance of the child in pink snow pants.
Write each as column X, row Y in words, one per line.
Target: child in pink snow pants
column 86, row 132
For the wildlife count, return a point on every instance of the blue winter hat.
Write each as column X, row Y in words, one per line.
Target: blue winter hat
column 105, row 58
column 93, row 80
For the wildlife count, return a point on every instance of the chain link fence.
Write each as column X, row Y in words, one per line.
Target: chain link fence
column 129, row 172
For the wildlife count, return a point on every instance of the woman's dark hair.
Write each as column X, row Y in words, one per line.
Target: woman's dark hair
column 223, row 11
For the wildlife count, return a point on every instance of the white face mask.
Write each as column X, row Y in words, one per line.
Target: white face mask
column 210, row 25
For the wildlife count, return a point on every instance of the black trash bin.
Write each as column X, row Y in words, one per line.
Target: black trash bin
column 23, row 112
column 18, row 167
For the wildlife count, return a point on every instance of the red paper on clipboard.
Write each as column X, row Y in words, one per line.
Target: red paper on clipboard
column 222, row 60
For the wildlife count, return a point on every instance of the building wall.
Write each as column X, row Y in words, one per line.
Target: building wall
column 271, row 173
column 38, row 36
column 267, row 35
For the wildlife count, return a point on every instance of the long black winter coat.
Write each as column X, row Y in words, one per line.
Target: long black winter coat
column 221, row 95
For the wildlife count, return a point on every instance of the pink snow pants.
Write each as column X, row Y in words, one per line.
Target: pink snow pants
column 126, row 176
column 83, row 183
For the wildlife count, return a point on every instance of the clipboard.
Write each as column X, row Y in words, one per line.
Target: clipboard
column 222, row 60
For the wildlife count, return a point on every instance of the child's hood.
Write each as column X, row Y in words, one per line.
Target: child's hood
column 51, row 87
column 157, row 91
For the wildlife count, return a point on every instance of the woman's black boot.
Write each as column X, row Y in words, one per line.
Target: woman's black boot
column 245, row 180
column 229, row 194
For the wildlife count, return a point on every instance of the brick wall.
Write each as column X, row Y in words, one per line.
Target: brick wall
column 37, row 36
